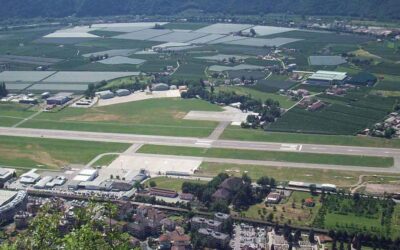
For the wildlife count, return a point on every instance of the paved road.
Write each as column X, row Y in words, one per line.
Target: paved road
column 199, row 142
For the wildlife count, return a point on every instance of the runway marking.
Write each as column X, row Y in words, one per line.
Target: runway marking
column 206, row 143
column 290, row 147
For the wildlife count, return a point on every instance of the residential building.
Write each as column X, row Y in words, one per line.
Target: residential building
column 200, row 222
column 214, row 239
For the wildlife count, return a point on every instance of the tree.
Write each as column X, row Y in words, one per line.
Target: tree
column 152, row 183
column 253, row 32
column 91, row 91
column 3, row 90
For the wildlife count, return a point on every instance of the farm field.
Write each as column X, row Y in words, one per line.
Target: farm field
column 236, row 133
column 342, row 116
column 153, row 116
column 273, row 84
column 341, row 178
column 51, row 153
column 349, row 160
column 289, row 211
column 170, row 183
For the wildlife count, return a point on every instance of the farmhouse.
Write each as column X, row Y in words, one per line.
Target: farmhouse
column 327, row 78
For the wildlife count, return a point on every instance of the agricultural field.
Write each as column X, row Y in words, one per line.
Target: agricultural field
column 348, row 160
column 273, row 84
column 153, row 116
column 289, row 211
column 42, row 153
column 342, row 116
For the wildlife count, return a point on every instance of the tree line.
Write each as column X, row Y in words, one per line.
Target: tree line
column 268, row 111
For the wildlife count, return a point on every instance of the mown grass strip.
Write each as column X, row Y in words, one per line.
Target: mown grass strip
column 345, row 160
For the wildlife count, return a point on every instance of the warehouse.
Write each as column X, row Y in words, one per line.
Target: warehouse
column 59, row 99
column 86, row 175
column 107, row 94
column 122, row 92
column 6, row 174
column 160, row 87
column 42, row 183
column 327, row 78
column 30, row 177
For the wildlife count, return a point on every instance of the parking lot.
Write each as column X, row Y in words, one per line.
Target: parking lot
column 248, row 236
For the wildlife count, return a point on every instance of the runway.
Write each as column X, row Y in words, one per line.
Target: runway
column 198, row 142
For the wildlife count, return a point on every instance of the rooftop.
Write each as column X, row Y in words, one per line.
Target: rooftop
column 328, row 75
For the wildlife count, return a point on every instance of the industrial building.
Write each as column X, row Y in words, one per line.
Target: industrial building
column 327, row 78
column 86, row 175
column 29, row 177
column 59, row 99
column 6, row 174
column 106, row 94
column 160, row 87
column 122, row 92
column 42, row 183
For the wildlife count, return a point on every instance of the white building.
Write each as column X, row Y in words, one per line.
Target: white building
column 29, row 177
column 326, row 78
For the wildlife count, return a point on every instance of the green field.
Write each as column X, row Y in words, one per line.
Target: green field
column 153, row 116
column 341, row 178
column 348, row 160
column 51, row 153
column 105, row 160
column 171, row 183
column 237, row 133
column 284, row 101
